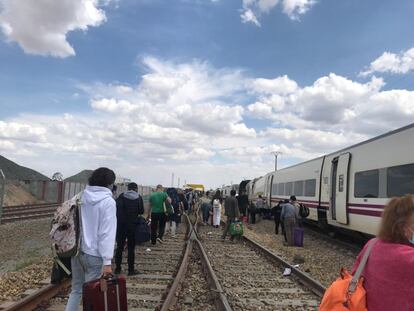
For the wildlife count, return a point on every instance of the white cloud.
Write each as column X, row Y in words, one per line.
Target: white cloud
column 295, row 8
column 188, row 118
column 280, row 85
column 249, row 17
column 21, row 131
column 260, row 110
column 112, row 105
column 40, row 27
column 392, row 63
column 253, row 9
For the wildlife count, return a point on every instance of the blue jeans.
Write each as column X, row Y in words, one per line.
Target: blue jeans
column 85, row 268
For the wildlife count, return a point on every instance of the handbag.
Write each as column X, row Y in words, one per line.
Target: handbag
column 347, row 293
column 142, row 230
column 236, row 228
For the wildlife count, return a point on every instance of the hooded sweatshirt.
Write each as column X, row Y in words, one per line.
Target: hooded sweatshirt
column 98, row 214
column 129, row 205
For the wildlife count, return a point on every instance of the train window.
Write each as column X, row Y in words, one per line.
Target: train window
column 298, row 188
column 366, row 184
column 274, row 189
column 281, row 189
column 400, row 180
column 289, row 188
column 310, row 187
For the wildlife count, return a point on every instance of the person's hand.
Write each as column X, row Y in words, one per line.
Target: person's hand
column 107, row 270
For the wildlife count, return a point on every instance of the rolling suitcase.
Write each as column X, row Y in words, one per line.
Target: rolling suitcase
column 298, row 236
column 105, row 294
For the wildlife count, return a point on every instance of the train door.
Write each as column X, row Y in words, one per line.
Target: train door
column 269, row 189
column 339, row 188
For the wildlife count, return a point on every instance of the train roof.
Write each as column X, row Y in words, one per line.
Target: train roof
column 401, row 129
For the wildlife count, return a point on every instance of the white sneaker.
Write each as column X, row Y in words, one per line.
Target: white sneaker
column 148, row 249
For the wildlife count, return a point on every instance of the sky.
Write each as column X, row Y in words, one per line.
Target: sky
column 202, row 89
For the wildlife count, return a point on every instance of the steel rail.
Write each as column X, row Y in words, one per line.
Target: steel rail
column 315, row 286
column 170, row 298
column 22, row 206
column 32, row 301
column 221, row 301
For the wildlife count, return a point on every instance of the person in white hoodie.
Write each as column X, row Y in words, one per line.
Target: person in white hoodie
column 98, row 230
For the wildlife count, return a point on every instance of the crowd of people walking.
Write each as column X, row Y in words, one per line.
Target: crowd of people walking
column 104, row 220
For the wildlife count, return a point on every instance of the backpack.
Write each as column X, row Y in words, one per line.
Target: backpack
column 65, row 231
column 347, row 293
column 303, row 211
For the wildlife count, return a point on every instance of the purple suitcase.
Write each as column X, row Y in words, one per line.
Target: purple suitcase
column 298, row 236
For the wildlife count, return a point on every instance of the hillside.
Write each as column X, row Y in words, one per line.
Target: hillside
column 13, row 171
column 80, row 177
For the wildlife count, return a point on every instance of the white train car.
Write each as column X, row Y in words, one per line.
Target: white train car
column 350, row 187
column 302, row 180
column 225, row 190
column 255, row 188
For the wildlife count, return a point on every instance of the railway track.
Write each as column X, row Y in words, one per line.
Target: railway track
column 26, row 212
column 251, row 276
column 239, row 276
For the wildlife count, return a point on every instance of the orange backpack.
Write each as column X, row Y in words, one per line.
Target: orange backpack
column 347, row 293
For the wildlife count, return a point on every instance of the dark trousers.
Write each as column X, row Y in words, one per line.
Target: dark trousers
column 253, row 217
column 206, row 215
column 123, row 233
column 277, row 223
column 227, row 227
column 157, row 225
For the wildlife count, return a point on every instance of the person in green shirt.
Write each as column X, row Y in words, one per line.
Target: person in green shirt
column 158, row 213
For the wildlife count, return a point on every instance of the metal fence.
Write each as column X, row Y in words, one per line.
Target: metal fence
column 58, row 191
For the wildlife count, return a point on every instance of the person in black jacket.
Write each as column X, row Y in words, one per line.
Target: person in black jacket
column 129, row 205
column 277, row 210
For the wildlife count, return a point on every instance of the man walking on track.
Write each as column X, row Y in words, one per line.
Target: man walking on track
column 158, row 213
column 129, row 206
column 97, row 230
column 231, row 210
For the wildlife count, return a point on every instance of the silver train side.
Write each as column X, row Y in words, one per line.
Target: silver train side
column 349, row 188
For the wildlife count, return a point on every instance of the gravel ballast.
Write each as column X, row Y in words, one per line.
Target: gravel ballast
column 25, row 257
column 322, row 259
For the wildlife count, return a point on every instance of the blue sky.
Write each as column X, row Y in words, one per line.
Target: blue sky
column 199, row 87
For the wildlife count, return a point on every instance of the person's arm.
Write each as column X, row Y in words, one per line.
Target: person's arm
column 282, row 213
column 141, row 209
column 106, row 235
column 150, row 208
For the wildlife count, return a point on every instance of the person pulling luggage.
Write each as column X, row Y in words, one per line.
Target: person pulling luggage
column 97, row 234
column 129, row 205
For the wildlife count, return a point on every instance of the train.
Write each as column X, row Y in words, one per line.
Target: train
column 349, row 188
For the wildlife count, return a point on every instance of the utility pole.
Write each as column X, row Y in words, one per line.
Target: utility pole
column 178, row 186
column 172, row 180
column 276, row 153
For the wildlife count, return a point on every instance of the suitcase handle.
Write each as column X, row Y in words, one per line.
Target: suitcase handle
column 107, row 279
